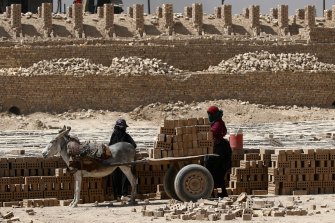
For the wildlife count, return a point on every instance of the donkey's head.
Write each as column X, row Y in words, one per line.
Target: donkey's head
column 57, row 143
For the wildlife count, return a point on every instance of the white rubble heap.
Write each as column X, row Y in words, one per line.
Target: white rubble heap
column 130, row 66
column 242, row 207
column 265, row 61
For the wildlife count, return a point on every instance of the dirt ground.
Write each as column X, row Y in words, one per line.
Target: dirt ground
column 235, row 112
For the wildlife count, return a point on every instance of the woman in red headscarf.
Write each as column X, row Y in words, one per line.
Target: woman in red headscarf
column 219, row 166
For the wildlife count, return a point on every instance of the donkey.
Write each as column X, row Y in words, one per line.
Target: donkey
column 121, row 153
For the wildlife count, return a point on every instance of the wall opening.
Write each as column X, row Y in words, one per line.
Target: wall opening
column 333, row 104
column 14, row 110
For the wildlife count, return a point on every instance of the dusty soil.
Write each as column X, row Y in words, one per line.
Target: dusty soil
column 235, row 112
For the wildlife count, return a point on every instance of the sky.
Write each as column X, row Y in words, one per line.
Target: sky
column 237, row 5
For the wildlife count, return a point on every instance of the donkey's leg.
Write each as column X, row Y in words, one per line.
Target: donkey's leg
column 132, row 179
column 77, row 188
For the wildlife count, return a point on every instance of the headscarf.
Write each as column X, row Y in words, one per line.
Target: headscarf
column 214, row 113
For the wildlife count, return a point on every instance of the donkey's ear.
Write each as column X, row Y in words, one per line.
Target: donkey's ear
column 69, row 128
column 63, row 129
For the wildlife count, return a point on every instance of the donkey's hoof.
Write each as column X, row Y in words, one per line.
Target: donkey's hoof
column 74, row 205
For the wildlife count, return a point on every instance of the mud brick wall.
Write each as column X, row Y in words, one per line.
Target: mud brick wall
column 217, row 12
column 283, row 16
column 77, row 13
column 100, row 12
column 322, row 35
column 310, row 16
column 159, row 12
column 333, row 13
column 274, row 13
column 126, row 93
column 227, row 15
column 188, row 12
column 47, row 16
column 139, row 18
column 168, row 16
column 246, row 13
column 254, row 14
column 197, row 16
column 16, row 16
column 108, row 15
column 300, row 13
column 130, row 11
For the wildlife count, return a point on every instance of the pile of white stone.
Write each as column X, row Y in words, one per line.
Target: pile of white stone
column 265, row 61
column 134, row 66
column 131, row 66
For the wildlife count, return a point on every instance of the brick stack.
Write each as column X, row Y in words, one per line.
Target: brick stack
column 246, row 13
column 251, row 175
column 328, row 14
column 149, row 177
column 69, row 11
column 16, row 19
column 8, row 11
column 321, row 35
column 47, row 18
column 283, row 19
column 188, row 12
column 333, row 14
column 217, row 12
column 77, row 13
column 300, row 13
column 139, row 18
column 108, row 21
column 100, row 12
column 184, row 137
column 197, row 17
column 159, row 12
column 254, row 15
column 310, row 171
column 274, row 13
column 227, row 15
column 130, row 11
column 168, row 23
column 310, row 16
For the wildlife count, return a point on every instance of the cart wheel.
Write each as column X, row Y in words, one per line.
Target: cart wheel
column 169, row 177
column 193, row 182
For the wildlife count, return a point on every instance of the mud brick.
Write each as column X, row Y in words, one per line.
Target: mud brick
column 289, row 184
column 163, row 145
column 4, row 182
column 51, row 162
column 253, row 184
column 316, row 184
column 21, row 195
column 169, row 124
column 312, row 190
column 59, row 172
column 18, row 164
column 68, row 179
column 321, row 170
column 4, row 163
column 295, row 171
column 307, row 156
column 278, row 157
column 259, row 192
column 244, row 164
column 49, row 179
column 6, row 196
column 203, row 128
column 240, row 171
column 205, row 143
column 278, row 178
column 328, row 184
column 167, row 131
column 33, row 180
column 33, row 163
column 303, row 184
column 83, row 192
column 292, row 157
column 53, row 194
column 281, row 164
column 308, row 170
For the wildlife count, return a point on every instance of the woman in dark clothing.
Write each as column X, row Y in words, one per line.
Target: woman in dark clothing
column 219, row 166
column 119, row 179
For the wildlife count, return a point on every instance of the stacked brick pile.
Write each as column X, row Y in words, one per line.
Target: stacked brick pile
column 304, row 172
column 188, row 12
column 217, row 12
column 310, row 16
column 226, row 11
column 149, row 177
column 100, row 12
column 16, row 19
column 184, row 137
column 251, row 175
column 274, row 13
column 283, row 16
column 321, row 35
column 69, row 11
column 108, row 21
column 197, row 17
column 168, row 23
column 78, row 19
column 254, row 15
column 328, row 14
column 130, row 11
column 300, row 13
column 47, row 18
column 333, row 13
column 138, row 16
column 159, row 12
